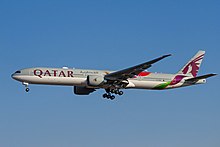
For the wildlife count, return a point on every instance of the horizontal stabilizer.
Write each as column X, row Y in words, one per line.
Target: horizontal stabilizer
column 200, row 77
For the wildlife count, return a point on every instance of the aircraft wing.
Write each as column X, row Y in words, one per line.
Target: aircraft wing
column 132, row 71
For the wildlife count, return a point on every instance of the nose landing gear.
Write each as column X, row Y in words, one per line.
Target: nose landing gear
column 26, row 86
column 27, row 89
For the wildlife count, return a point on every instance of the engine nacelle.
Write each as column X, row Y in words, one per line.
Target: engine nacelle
column 95, row 80
column 83, row 90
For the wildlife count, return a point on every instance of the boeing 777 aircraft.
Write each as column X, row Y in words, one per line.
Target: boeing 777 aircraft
column 87, row 81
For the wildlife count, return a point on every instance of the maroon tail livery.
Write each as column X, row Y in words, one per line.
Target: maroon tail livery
column 192, row 67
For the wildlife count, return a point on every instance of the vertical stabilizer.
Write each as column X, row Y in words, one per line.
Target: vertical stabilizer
column 192, row 67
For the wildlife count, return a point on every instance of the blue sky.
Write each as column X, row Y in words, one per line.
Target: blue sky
column 108, row 35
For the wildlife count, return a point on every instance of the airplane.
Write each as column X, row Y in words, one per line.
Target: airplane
column 86, row 81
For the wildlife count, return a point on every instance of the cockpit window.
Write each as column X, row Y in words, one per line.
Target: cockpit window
column 18, row 71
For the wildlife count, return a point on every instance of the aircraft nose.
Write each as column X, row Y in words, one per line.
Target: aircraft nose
column 16, row 75
column 13, row 76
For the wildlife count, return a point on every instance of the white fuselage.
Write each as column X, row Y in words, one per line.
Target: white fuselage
column 78, row 77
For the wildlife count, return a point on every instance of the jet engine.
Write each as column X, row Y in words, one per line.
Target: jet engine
column 79, row 90
column 95, row 80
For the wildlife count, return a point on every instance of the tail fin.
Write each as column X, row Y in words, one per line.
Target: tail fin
column 192, row 67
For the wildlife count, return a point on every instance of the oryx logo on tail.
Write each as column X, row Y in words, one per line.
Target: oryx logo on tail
column 192, row 67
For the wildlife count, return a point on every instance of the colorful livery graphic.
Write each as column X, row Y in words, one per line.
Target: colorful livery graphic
column 86, row 81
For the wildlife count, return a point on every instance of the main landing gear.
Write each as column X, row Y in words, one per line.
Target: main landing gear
column 109, row 93
column 26, row 86
column 108, row 96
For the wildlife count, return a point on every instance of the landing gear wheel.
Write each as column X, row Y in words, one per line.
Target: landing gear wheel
column 27, row 89
column 112, row 97
column 116, row 91
column 104, row 95
column 108, row 96
column 121, row 93
column 112, row 91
